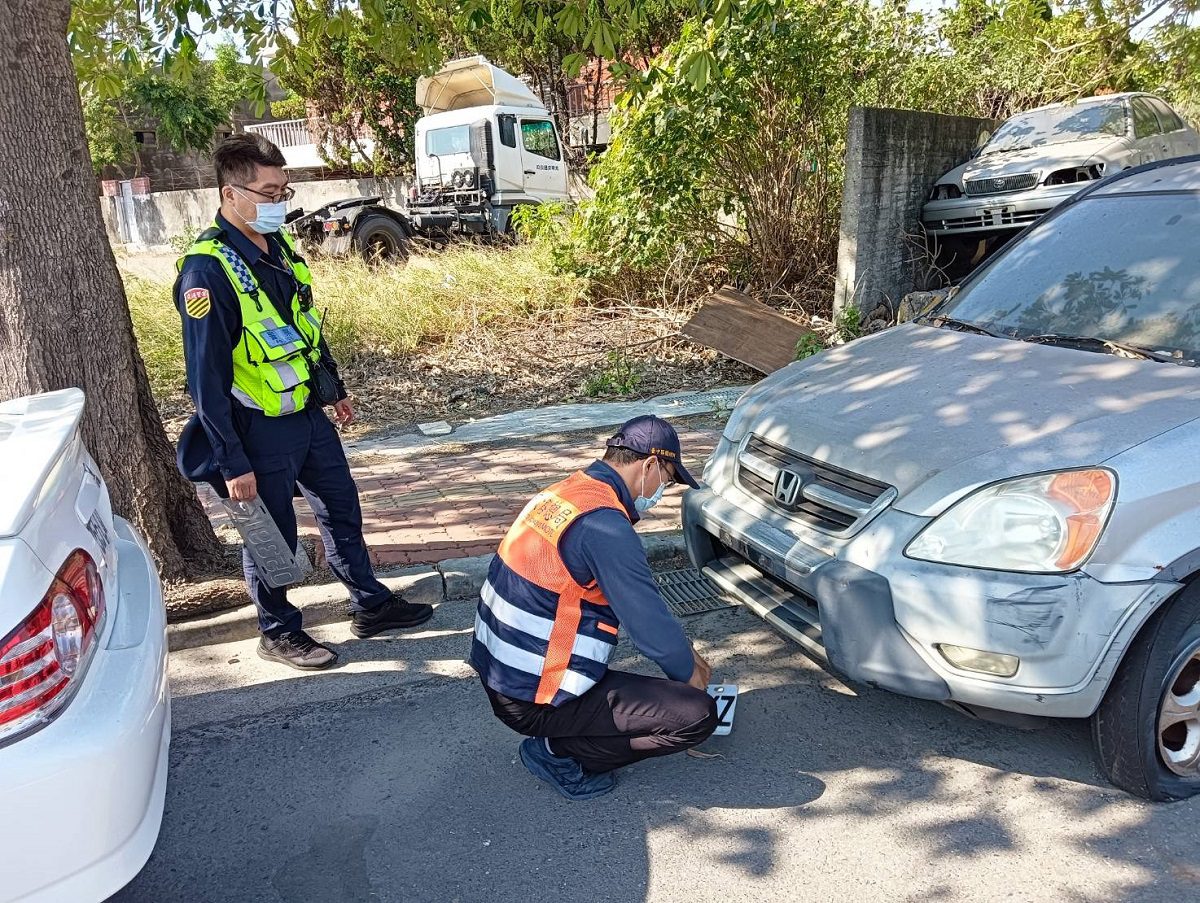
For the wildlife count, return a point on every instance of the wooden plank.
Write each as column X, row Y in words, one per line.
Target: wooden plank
column 745, row 330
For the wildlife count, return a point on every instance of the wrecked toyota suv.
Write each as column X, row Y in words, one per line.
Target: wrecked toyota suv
column 998, row 506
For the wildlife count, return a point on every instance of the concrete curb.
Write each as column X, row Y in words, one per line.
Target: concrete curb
column 452, row 580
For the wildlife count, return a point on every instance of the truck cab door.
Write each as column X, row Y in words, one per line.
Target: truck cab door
column 542, row 160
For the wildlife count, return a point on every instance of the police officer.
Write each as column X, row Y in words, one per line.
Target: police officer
column 258, row 371
column 570, row 573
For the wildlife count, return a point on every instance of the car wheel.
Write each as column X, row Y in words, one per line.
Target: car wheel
column 378, row 238
column 1147, row 729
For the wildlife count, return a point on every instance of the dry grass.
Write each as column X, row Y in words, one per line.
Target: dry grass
column 385, row 312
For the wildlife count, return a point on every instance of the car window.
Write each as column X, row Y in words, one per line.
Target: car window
column 508, row 129
column 1166, row 116
column 1145, row 123
column 1116, row 268
column 537, row 137
column 453, row 140
column 1056, row 125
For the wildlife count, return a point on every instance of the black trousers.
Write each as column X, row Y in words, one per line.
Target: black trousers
column 621, row 720
column 304, row 450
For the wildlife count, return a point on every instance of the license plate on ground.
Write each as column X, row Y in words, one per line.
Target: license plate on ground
column 726, row 697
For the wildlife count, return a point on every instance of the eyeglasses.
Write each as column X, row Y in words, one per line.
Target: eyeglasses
column 286, row 195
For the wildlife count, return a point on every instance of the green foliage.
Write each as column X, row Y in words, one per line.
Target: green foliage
column 619, row 376
column 731, row 147
column 110, row 140
column 354, row 84
column 182, row 241
column 848, row 324
column 291, row 107
column 186, row 117
column 187, row 111
column 808, row 344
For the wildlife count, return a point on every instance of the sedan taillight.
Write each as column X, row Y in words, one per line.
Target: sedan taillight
column 49, row 650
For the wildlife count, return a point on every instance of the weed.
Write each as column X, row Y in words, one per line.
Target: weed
column 181, row 242
column 619, row 376
column 808, row 344
column 848, row 323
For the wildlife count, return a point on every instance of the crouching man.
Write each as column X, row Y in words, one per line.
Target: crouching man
column 570, row 573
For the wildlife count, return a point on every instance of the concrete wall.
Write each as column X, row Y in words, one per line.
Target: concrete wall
column 153, row 221
column 893, row 158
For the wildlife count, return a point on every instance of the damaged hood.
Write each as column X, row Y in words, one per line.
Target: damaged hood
column 1041, row 159
column 937, row 413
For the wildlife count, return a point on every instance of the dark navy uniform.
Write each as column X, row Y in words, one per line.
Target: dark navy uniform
column 300, row 450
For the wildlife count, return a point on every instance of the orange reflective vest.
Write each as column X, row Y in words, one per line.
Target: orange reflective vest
column 539, row 635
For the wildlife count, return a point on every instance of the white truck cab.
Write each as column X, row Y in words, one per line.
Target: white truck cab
column 485, row 145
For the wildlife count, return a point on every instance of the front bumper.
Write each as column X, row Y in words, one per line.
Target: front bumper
column 994, row 213
column 877, row 616
column 84, row 796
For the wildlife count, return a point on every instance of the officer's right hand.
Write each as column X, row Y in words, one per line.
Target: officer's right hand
column 243, row 488
column 701, row 673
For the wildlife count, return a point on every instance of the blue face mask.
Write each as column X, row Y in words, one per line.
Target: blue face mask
column 269, row 217
column 642, row 504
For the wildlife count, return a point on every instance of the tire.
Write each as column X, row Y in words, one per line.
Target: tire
column 1129, row 738
column 380, row 238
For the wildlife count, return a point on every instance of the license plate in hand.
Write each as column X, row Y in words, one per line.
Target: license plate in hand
column 726, row 697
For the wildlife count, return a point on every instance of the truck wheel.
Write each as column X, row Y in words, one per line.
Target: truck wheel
column 378, row 238
column 1147, row 729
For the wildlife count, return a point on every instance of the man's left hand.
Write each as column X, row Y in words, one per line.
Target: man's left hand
column 344, row 412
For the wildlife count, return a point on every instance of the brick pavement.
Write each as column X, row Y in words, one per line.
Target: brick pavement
column 451, row 502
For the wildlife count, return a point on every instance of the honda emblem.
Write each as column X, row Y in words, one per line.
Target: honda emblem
column 787, row 489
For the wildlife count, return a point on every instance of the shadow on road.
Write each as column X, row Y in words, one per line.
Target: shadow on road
column 410, row 790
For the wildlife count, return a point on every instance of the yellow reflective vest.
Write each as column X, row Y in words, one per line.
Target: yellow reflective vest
column 272, row 360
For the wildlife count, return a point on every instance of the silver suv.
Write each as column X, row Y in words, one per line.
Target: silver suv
column 998, row 506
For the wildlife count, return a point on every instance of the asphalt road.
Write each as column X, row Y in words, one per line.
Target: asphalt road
column 389, row 780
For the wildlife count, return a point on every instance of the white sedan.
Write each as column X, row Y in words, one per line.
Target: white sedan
column 85, row 720
column 1039, row 158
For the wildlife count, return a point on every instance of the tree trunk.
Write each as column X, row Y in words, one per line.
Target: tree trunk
column 64, row 319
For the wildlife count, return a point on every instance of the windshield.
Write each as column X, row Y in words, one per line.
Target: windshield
column 453, row 140
column 1117, row 268
column 1058, row 125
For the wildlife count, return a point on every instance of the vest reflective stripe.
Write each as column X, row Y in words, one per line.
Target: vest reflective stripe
column 573, row 682
column 271, row 370
column 507, row 613
column 539, row 635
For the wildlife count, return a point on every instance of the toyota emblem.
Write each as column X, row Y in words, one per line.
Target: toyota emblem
column 997, row 184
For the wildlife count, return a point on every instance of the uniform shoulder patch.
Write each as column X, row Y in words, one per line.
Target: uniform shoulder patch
column 197, row 302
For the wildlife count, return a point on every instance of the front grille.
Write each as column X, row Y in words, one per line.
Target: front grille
column 1000, row 218
column 829, row 498
column 1000, row 184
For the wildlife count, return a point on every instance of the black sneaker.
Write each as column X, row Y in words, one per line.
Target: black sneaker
column 297, row 650
column 392, row 614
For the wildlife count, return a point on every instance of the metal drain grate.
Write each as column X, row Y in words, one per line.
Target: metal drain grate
column 688, row 592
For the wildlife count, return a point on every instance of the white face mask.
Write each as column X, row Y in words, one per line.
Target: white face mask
column 642, row 504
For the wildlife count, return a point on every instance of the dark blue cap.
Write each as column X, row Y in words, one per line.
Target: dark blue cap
column 650, row 435
column 194, row 457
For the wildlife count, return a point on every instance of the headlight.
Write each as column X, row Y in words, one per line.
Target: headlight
column 1044, row 524
column 945, row 193
column 1075, row 174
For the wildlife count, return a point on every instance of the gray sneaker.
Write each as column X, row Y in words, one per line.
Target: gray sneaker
column 563, row 773
column 297, row 650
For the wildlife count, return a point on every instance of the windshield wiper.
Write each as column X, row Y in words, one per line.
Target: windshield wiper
column 961, row 326
column 1084, row 342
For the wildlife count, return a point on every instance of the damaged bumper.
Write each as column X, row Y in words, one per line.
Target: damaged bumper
column 879, row 618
